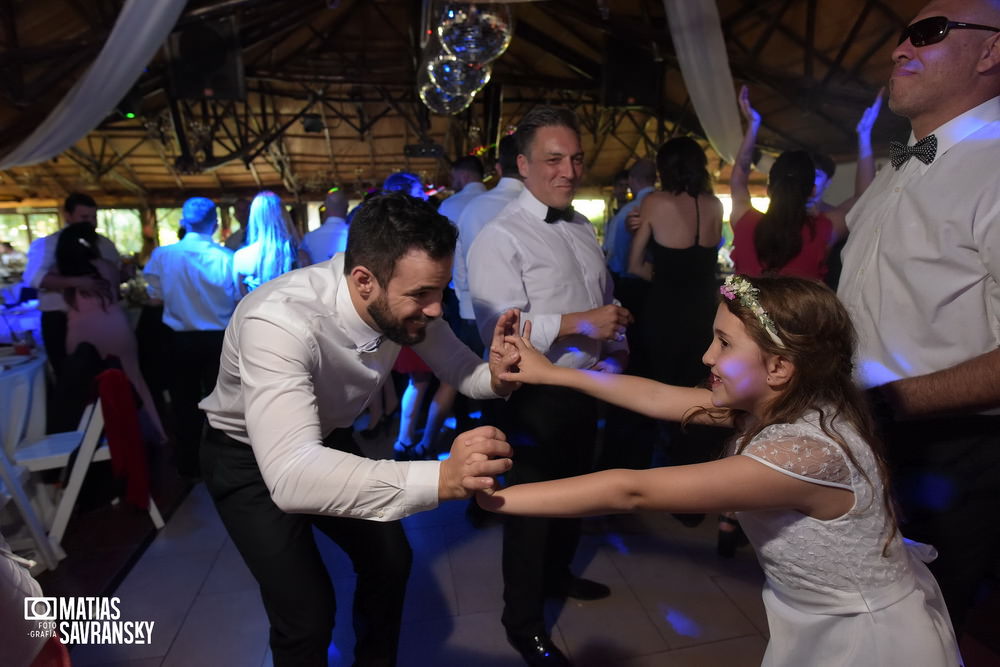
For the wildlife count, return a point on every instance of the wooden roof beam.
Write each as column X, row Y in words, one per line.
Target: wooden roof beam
column 580, row 64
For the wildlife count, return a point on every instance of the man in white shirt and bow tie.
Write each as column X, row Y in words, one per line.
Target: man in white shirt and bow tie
column 921, row 279
column 541, row 257
column 302, row 357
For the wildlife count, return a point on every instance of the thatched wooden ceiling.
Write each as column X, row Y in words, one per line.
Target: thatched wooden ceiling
column 812, row 65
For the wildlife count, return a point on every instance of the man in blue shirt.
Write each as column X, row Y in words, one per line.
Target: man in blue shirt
column 193, row 280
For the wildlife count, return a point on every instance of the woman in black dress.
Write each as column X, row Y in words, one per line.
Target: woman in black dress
column 676, row 248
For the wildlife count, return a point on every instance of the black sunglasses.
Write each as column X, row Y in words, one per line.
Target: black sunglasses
column 932, row 30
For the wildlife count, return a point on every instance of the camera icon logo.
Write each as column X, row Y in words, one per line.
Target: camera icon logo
column 40, row 609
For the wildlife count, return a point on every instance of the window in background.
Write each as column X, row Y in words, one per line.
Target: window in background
column 313, row 220
column 44, row 223
column 168, row 221
column 594, row 210
column 14, row 230
column 123, row 227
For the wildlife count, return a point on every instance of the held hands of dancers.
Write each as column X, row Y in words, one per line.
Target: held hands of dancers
column 503, row 356
column 533, row 367
column 477, row 457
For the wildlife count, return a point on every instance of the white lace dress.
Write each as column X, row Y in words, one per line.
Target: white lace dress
column 831, row 597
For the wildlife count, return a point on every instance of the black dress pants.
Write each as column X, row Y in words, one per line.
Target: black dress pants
column 946, row 475
column 552, row 430
column 194, row 363
column 280, row 551
column 54, row 323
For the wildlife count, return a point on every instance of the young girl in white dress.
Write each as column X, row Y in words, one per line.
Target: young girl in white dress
column 842, row 586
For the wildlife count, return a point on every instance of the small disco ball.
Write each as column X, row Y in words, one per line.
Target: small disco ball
column 475, row 33
column 456, row 77
column 442, row 103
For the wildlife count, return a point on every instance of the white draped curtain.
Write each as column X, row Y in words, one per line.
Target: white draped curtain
column 141, row 28
column 701, row 52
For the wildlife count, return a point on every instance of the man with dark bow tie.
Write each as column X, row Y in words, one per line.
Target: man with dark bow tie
column 541, row 257
column 302, row 357
column 921, row 279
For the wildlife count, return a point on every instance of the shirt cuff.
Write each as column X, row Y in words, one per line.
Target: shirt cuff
column 544, row 331
column 422, row 485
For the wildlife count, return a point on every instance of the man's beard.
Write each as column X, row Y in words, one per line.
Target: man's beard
column 394, row 328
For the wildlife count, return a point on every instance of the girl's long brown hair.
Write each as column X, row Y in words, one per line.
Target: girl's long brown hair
column 820, row 341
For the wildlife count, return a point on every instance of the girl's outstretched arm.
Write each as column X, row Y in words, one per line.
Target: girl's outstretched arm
column 732, row 483
column 647, row 397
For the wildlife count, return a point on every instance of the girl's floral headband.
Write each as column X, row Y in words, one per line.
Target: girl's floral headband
column 738, row 288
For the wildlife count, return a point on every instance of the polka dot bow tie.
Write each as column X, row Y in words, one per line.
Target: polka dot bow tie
column 924, row 150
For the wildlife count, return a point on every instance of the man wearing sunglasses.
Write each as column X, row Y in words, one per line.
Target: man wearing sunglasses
column 922, row 280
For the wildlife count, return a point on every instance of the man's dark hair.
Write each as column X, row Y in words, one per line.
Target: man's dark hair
column 78, row 199
column 76, row 251
column 543, row 117
column 507, row 155
column 824, row 163
column 470, row 164
column 388, row 226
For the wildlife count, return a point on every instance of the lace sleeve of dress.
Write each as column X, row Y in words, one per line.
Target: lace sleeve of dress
column 798, row 451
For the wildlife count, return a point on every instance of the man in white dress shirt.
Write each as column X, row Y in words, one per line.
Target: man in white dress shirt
column 41, row 272
column 193, row 280
column 466, row 183
column 541, row 257
column 303, row 356
column 477, row 213
column 329, row 238
column 921, row 279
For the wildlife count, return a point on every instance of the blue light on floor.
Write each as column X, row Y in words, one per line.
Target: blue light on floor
column 478, row 414
column 929, row 491
column 450, row 423
column 682, row 625
column 333, row 656
column 443, row 456
column 615, row 540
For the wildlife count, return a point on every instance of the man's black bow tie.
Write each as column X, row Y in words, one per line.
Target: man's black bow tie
column 557, row 214
column 924, row 150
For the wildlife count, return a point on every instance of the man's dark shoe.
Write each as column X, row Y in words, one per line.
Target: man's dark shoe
column 538, row 650
column 579, row 588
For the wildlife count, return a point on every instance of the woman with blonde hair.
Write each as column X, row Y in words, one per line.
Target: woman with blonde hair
column 272, row 244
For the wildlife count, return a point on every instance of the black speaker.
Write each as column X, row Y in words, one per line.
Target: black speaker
column 632, row 78
column 206, row 61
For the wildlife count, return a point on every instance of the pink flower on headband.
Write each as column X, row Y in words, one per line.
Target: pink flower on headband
column 738, row 287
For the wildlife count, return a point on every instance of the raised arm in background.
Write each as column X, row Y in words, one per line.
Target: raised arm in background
column 739, row 179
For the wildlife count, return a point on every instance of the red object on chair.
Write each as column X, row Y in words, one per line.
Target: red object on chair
column 53, row 654
column 121, row 428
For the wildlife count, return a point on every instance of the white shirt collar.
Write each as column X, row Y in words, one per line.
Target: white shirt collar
column 471, row 188
column 508, row 183
column 961, row 126
column 532, row 205
column 365, row 338
column 197, row 236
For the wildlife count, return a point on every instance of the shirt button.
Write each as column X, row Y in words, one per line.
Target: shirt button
column 895, row 189
column 379, row 513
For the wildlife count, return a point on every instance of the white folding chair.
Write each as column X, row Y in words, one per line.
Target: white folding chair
column 53, row 452
column 16, row 400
